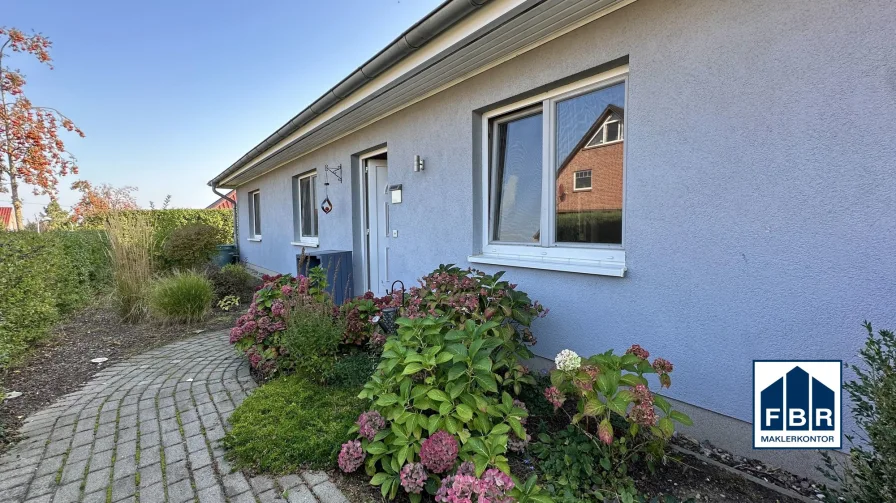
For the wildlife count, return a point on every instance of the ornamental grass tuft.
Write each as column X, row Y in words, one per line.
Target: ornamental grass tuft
column 183, row 297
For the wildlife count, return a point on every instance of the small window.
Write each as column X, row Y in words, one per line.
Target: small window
column 255, row 215
column 304, row 208
column 610, row 131
column 583, row 180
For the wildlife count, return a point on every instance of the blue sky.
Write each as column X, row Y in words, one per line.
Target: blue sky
column 169, row 93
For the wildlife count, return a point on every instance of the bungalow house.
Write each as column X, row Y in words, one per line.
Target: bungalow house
column 711, row 180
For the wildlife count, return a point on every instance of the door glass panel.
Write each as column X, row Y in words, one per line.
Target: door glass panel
column 517, row 178
column 590, row 216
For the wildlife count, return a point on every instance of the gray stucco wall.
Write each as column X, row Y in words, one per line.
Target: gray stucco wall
column 760, row 189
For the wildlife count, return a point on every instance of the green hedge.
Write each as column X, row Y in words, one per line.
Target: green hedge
column 165, row 221
column 42, row 277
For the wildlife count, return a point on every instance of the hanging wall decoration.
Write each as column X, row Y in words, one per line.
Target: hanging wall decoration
column 327, row 205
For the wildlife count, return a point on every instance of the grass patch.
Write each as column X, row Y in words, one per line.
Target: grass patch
column 290, row 423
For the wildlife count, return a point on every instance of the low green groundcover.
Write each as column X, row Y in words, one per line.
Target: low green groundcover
column 290, row 423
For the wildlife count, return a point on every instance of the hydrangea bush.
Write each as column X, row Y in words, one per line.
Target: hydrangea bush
column 258, row 332
column 443, row 390
column 608, row 389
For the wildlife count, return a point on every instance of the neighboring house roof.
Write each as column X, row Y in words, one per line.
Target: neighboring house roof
column 458, row 40
column 222, row 203
column 586, row 138
column 6, row 221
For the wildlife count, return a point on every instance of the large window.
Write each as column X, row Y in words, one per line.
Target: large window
column 304, row 208
column 255, row 215
column 553, row 175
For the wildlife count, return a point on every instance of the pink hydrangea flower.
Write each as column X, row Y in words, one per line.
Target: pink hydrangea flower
column 351, row 456
column 554, row 396
column 439, row 452
column 413, row 478
column 286, row 290
column 642, row 394
column 662, row 366
column 638, row 351
column 370, row 423
column 457, row 489
column 494, row 486
column 466, row 468
column 643, row 414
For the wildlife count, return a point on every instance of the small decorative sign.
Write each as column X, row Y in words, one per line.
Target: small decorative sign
column 326, row 205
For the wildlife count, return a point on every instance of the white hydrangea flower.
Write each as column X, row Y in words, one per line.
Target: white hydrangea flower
column 568, row 360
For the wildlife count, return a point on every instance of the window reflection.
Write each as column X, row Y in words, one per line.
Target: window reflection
column 590, row 139
column 517, row 193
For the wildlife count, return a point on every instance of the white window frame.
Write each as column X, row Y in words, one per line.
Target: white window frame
column 298, row 238
column 254, row 207
column 575, row 179
column 587, row 258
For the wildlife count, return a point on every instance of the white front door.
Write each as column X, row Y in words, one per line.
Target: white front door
column 378, row 237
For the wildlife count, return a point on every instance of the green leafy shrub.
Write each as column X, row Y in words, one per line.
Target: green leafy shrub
column 229, row 302
column 183, row 297
column 190, row 247
column 290, row 423
column 165, row 221
column 446, row 376
column 353, row 370
column 569, row 463
column 259, row 332
column 312, row 338
column 870, row 475
column 617, row 412
column 44, row 276
column 235, row 280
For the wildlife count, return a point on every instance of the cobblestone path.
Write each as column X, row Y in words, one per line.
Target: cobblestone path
column 148, row 430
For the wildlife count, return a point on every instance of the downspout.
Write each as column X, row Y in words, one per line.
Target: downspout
column 236, row 216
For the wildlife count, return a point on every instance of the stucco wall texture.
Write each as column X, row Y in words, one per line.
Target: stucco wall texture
column 760, row 195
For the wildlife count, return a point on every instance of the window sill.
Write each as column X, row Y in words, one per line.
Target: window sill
column 256, row 239
column 305, row 244
column 597, row 267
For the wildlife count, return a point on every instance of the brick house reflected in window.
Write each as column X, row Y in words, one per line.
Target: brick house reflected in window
column 589, row 184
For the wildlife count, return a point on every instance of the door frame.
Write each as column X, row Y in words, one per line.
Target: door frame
column 365, row 213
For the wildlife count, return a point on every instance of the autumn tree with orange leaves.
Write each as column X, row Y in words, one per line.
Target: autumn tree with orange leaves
column 101, row 199
column 31, row 152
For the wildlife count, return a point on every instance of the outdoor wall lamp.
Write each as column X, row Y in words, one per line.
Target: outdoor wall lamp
column 418, row 163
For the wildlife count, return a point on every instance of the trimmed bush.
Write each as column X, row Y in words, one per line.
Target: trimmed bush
column 235, row 280
column 164, row 222
column 44, row 276
column 190, row 247
column 184, row 297
column 291, row 423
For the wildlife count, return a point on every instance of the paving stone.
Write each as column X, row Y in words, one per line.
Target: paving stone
column 44, row 484
column 327, row 492
column 176, row 471
column 204, row 477
column 246, row 497
column 151, row 474
column 313, row 477
column 97, row 480
column 211, row 494
column 180, row 491
column 300, row 494
column 65, row 494
column 154, row 493
column 73, row 471
column 123, row 488
column 200, row 459
column 235, row 483
column 289, row 481
column 261, row 484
